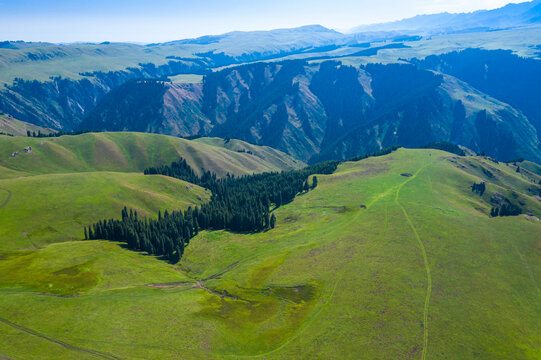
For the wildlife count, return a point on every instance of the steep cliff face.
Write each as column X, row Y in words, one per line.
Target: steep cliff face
column 501, row 74
column 57, row 104
column 62, row 104
column 329, row 111
column 268, row 104
column 312, row 111
column 448, row 110
column 326, row 111
column 150, row 106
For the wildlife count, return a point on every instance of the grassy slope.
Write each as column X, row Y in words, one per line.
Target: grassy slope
column 70, row 60
column 51, row 208
column 422, row 272
column 15, row 127
column 531, row 167
column 49, row 194
column 130, row 152
column 277, row 157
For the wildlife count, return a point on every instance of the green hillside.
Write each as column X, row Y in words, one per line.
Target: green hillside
column 131, row 152
column 390, row 257
column 38, row 210
column 9, row 125
column 63, row 184
column 263, row 152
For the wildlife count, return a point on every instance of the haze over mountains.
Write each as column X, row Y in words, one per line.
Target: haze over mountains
column 509, row 16
column 289, row 105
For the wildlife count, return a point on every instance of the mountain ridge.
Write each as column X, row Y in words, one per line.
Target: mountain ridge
column 329, row 111
column 510, row 15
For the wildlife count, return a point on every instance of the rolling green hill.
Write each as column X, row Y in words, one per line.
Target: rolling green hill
column 390, row 257
column 41, row 209
column 131, row 152
column 63, row 184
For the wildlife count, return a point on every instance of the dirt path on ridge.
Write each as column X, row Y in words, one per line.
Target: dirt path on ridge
column 425, row 260
column 96, row 353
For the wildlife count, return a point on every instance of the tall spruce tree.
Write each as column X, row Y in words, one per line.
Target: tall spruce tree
column 272, row 221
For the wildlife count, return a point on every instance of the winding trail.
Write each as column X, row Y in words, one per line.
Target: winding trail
column 393, row 189
column 96, row 353
column 425, row 259
column 528, row 268
column 7, row 199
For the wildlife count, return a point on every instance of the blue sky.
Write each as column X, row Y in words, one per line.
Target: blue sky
column 163, row 20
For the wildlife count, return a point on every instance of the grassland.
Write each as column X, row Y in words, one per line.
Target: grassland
column 69, row 61
column 63, row 184
column 371, row 264
column 131, row 152
column 186, row 79
column 50, row 208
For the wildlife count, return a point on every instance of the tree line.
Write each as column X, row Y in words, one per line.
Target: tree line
column 381, row 152
column 241, row 204
column 39, row 134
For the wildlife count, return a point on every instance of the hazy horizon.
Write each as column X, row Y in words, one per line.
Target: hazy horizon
column 143, row 21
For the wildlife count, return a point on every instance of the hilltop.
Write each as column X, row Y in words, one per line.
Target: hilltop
column 132, row 152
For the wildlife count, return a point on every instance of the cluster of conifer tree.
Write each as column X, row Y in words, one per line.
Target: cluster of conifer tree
column 167, row 236
column 381, row 152
column 238, row 204
column 445, row 146
column 479, row 188
column 506, row 210
column 39, row 134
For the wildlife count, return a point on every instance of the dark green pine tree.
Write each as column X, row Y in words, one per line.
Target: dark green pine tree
column 518, row 169
column 314, row 182
column 306, row 187
column 266, row 220
column 272, row 221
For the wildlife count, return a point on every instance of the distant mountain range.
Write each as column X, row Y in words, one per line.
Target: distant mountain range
column 263, row 43
column 509, row 16
column 328, row 111
column 311, row 92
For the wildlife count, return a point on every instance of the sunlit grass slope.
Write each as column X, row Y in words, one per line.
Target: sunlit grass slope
column 389, row 258
column 131, row 152
column 63, row 184
column 50, row 208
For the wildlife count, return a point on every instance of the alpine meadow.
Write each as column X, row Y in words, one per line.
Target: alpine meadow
column 365, row 188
